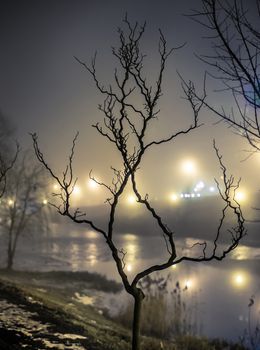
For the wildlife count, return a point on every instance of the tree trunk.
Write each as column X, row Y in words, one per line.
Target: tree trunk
column 9, row 264
column 13, row 238
column 139, row 296
column 10, row 260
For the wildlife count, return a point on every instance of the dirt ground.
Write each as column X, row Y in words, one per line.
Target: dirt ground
column 26, row 324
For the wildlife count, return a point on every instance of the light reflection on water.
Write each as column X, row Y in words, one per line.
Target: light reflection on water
column 224, row 288
column 243, row 252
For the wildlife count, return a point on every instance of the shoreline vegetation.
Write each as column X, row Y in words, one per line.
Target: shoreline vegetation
column 55, row 310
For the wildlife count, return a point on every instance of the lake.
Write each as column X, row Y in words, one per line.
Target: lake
column 222, row 290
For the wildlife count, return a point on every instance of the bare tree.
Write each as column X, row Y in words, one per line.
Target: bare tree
column 22, row 203
column 5, row 167
column 7, row 155
column 126, row 126
column 234, row 34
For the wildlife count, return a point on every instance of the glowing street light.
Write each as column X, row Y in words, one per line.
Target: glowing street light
column 92, row 184
column 10, row 202
column 240, row 196
column 44, row 202
column 129, row 267
column 173, row 197
column 188, row 167
column 188, row 284
column 131, row 199
column 55, row 187
column 76, row 190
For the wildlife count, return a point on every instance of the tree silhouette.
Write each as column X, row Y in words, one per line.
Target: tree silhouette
column 235, row 39
column 8, row 156
column 126, row 126
column 22, row 203
column 5, row 167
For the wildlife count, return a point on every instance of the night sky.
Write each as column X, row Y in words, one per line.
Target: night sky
column 43, row 89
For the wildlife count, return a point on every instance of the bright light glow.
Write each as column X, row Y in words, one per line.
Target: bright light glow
column 188, row 284
column 239, row 279
column 241, row 253
column 129, row 267
column 130, row 237
column 76, row 190
column 92, row 260
column 189, row 195
column 212, row 189
column 131, row 199
column 92, row 184
column 91, row 234
column 240, row 196
column 200, row 185
column 10, row 202
column 174, row 267
column 188, row 167
column 173, row 197
column 131, row 249
column 55, row 187
column 44, row 202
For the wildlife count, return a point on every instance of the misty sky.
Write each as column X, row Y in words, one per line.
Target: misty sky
column 43, row 89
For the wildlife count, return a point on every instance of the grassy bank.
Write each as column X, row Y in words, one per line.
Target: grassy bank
column 52, row 297
column 55, row 300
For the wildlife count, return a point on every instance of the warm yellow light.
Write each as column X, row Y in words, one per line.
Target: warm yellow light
column 76, row 190
column 131, row 248
column 129, row 267
column 173, row 197
column 44, row 201
column 55, row 187
column 240, row 196
column 10, row 202
column 91, row 234
column 92, row 260
column 131, row 199
column 239, row 279
column 241, row 253
column 92, row 184
column 188, row 284
column 188, row 167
